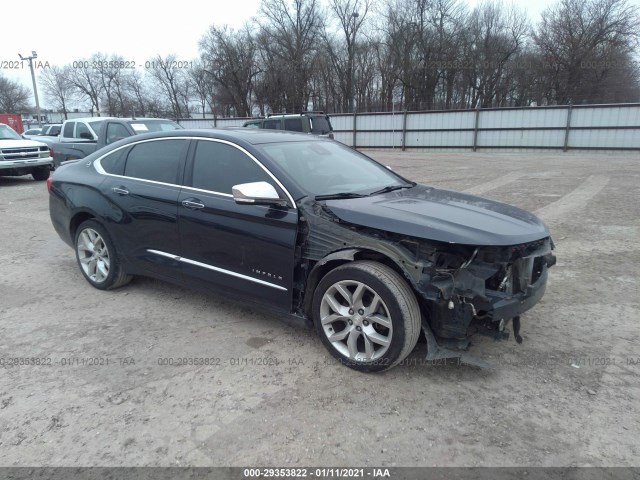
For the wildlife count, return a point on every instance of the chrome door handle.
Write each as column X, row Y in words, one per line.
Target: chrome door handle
column 120, row 190
column 193, row 204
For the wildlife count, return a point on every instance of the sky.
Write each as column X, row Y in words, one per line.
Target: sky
column 137, row 30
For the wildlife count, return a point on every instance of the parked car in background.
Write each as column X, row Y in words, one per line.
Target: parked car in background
column 19, row 156
column 97, row 133
column 308, row 227
column 31, row 133
column 50, row 133
column 315, row 123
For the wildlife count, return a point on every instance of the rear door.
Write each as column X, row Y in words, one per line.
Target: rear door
column 143, row 184
column 247, row 250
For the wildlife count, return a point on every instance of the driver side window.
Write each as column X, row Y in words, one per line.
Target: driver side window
column 217, row 167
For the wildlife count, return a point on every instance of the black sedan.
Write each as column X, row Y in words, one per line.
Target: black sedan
column 308, row 227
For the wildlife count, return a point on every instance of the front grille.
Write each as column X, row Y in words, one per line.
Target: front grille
column 20, row 153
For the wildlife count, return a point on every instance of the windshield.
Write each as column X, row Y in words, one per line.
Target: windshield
column 8, row 133
column 325, row 168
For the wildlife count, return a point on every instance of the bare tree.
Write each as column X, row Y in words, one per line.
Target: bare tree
column 497, row 34
column 14, row 97
column 57, row 87
column 292, row 35
column 229, row 58
column 171, row 82
column 351, row 14
column 579, row 39
column 86, row 81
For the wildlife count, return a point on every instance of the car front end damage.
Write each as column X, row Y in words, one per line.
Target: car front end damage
column 463, row 289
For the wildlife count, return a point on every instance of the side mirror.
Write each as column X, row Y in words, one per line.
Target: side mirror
column 86, row 136
column 256, row 193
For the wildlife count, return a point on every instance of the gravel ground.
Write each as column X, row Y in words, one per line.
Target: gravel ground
column 568, row 396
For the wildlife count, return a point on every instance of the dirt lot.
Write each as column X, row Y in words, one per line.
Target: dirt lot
column 568, row 396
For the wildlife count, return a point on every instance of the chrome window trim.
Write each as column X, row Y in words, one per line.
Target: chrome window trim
column 98, row 166
column 216, row 269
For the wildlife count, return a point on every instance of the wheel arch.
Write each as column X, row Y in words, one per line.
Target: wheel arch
column 77, row 219
column 340, row 257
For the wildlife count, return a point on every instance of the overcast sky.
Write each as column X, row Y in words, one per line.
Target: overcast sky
column 138, row 30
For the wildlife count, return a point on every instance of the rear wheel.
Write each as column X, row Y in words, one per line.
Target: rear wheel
column 97, row 257
column 366, row 315
column 40, row 173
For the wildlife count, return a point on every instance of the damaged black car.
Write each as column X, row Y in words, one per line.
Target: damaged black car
column 308, row 227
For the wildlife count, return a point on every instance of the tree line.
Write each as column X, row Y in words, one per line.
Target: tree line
column 349, row 55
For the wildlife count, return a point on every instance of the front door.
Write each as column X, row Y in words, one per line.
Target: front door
column 245, row 249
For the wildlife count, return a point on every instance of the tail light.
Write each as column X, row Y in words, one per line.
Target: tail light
column 49, row 183
column 51, row 151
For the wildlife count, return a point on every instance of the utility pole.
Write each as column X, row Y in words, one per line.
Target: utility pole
column 33, row 79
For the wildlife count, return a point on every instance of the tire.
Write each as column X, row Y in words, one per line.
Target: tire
column 40, row 173
column 371, row 313
column 97, row 257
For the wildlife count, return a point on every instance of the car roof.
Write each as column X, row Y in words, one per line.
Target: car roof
column 247, row 135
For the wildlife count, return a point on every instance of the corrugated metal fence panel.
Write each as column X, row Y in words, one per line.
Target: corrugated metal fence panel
column 532, row 127
column 605, row 139
column 379, row 122
column 210, row 122
column 444, row 139
column 196, row 122
column 523, row 118
column 377, row 139
column 440, row 120
column 341, row 122
column 521, row 138
column 605, row 117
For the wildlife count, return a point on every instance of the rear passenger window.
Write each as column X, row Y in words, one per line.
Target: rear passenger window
column 293, row 124
column 114, row 162
column 156, row 160
column 271, row 124
column 218, row 167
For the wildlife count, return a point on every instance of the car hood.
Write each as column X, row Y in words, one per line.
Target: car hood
column 19, row 143
column 442, row 215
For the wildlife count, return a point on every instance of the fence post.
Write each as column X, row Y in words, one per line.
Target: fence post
column 215, row 121
column 475, row 128
column 404, row 131
column 355, row 114
column 568, row 129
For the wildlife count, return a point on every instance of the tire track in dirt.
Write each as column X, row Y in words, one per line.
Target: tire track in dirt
column 493, row 184
column 574, row 199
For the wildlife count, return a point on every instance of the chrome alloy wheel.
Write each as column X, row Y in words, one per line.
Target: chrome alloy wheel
column 356, row 321
column 93, row 255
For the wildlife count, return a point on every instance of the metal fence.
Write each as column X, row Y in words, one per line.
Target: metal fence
column 583, row 127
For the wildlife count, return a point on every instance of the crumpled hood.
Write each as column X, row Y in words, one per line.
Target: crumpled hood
column 442, row 215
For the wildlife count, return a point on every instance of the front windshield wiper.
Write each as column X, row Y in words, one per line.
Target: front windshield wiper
column 391, row 188
column 337, row 196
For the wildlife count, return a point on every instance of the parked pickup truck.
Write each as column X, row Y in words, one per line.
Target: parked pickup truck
column 82, row 136
column 23, row 157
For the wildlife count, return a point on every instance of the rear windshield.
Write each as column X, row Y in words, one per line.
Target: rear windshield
column 54, row 130
column 320, row 125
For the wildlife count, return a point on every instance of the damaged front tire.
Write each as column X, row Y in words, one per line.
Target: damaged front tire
column 367, row 316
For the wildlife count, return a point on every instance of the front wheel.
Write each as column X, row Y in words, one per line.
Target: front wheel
column 97, row 257
column 367, row 316
column 40, row 173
